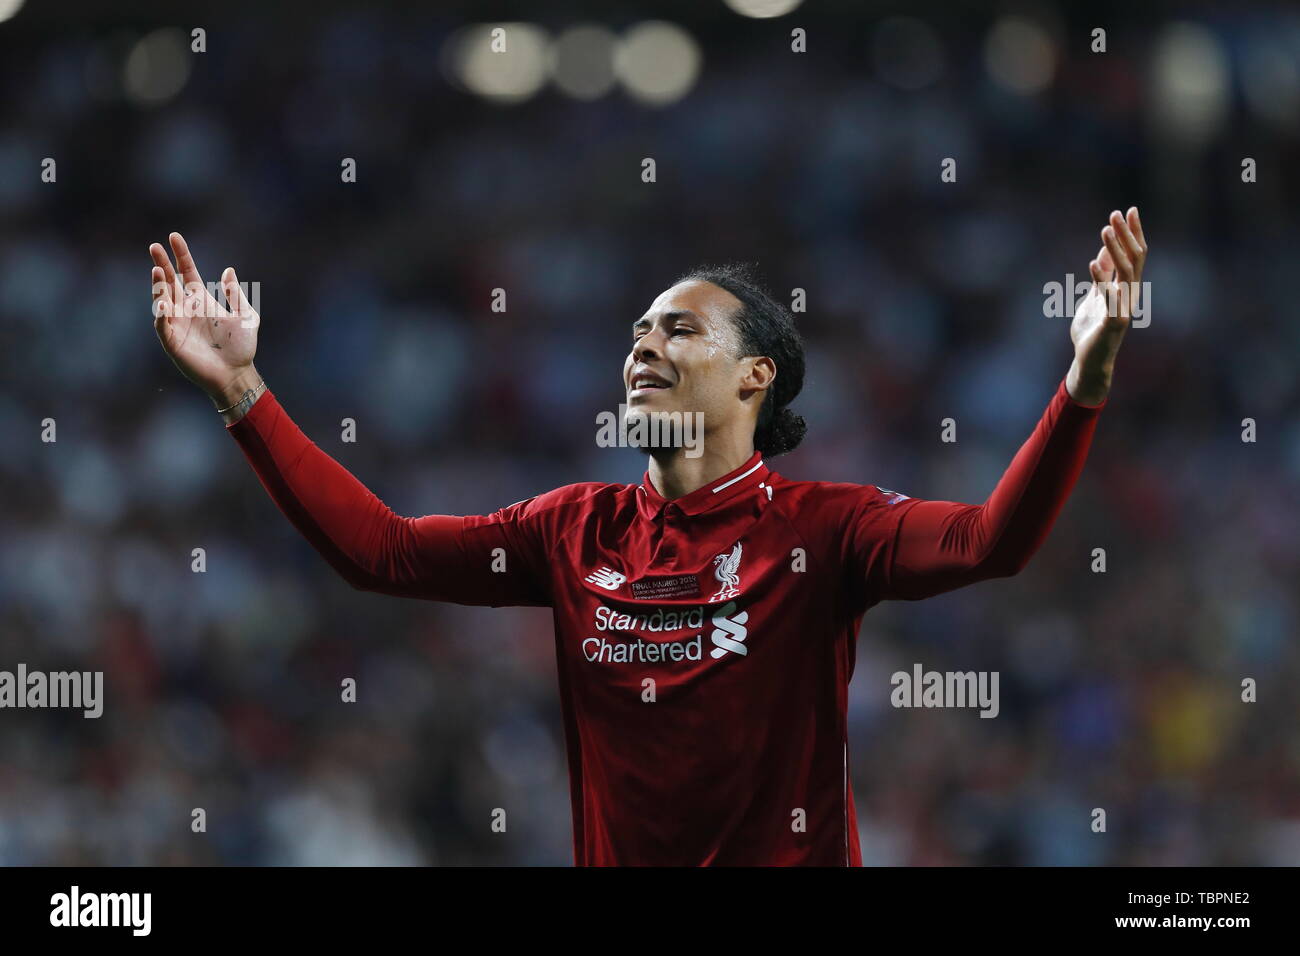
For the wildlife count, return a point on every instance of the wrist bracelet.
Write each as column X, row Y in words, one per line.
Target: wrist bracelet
column 248, row 396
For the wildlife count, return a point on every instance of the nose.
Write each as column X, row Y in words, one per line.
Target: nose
column 644, row 348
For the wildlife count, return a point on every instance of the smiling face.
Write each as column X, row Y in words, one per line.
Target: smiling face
column 685, row 358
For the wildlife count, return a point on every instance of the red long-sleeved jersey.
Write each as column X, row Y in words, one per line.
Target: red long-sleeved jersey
column 704, row 644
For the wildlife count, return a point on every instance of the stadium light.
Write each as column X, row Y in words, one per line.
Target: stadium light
column 506, row 62
column 157, row 68
column 1189, row 83
column 763, row 8
column 582, row 61
column 657, row 62
column 1020, row 55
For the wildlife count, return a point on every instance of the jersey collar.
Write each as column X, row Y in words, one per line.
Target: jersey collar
column 748, row 476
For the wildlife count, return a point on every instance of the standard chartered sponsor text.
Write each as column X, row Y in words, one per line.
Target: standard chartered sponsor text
column 604, row 651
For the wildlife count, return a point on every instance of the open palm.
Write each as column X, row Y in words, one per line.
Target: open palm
column 210, row 343
column 1100, row 323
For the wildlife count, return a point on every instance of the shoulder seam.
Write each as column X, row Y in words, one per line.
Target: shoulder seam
column 785, row 516
column 876, row 503
column 550, row 553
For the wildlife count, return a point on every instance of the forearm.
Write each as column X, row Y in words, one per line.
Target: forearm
column 369, row 545
column 1090, row 386
column 943, row 545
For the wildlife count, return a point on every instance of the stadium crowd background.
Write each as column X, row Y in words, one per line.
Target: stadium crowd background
column 925, row 301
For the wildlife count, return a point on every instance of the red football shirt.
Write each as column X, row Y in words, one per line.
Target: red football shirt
column 704, row 644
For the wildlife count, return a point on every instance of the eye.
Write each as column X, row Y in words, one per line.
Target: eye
column 682, row 331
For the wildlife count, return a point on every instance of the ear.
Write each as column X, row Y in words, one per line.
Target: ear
column 758, row 377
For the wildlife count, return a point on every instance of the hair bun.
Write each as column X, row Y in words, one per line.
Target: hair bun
column 782, row 434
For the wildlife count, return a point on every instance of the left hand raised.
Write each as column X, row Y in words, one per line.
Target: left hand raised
column 1100, row 323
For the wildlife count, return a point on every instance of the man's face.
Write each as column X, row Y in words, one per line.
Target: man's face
column 684, row 356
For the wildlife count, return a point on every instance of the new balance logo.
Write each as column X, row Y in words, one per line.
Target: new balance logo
column 729, row 632
column 606, row 578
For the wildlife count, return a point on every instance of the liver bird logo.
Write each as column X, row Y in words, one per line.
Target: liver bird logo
column 726, row 568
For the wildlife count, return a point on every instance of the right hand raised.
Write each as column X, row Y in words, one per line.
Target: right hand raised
column 212, row 345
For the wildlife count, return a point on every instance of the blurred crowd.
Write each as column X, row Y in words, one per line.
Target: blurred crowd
column 1120, row 690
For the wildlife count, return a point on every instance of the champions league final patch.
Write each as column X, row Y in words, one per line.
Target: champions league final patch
column 674, row 586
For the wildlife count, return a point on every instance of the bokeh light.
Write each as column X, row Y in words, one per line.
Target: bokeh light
column 1190, row 82
column 157, row 67
column 763, row 8
column 657, row 62
column 582, row 61
column 1020, row 55
column 501, row 61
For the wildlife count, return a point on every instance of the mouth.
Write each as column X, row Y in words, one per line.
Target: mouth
column 647, row 383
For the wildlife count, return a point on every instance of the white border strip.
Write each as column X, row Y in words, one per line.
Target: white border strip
column 728, row 484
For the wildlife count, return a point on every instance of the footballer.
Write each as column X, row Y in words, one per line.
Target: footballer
column 706, row 619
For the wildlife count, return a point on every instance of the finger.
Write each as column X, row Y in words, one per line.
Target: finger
column 1099, row 277
column 163, row 261
column 239, row 304
column 184, row 261
column 1107, row 264
column 163, row 311
column 171, row 294
column 176, row 292
column 159, row 281
column 1127, row 240
column 1121, row 308
column 1135, row 224
column 1123, row 268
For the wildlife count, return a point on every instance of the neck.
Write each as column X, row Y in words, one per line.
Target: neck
column 674, row 475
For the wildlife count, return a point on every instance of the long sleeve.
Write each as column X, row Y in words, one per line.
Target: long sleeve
column 941, row 545
column 439, row 557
